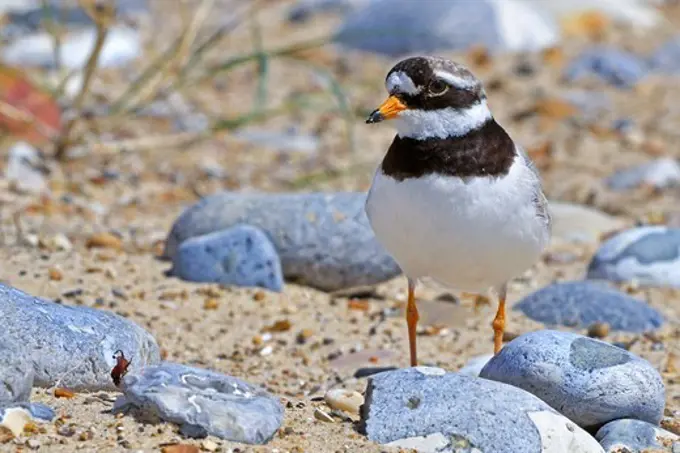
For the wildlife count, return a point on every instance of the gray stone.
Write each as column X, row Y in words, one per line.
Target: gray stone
column 71, row 345
column 26, row 169
column 435, row 411
column 401, row 27
column 204, row 402
column 16, row 374
column 660, row 173
column 304, row 10
column 635, row 435
column 589, row 381
column 323, row 239
column 577, row 223
column 583, row 303
column 241, row 255
column 15, row 416
column 616, row 67
column 649, row 255
column 666, row 58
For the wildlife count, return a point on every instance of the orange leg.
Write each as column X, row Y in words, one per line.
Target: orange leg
column 412, row 321
column 499, row 322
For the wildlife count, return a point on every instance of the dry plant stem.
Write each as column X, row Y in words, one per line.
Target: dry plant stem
column 54, row 30
column 65, row 139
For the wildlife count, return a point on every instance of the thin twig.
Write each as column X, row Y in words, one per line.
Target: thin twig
column 102, row 15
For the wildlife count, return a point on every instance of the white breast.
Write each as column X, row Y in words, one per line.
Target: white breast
column 468, row 234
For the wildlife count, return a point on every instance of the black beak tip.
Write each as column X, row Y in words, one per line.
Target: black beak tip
column 374, row 117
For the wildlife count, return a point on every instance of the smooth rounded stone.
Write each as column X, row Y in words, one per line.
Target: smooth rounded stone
column 323, row 239
column 589, row 381
column 400, row 27
column 649, row 255
column 667, row 57
column 582, row 303
column 16, row 373
column 614, row 66
column 434, row 411
column 241, row 256
column 303, row 10
column 344, row 400
column 204, row 402
column 635, row 436
column 26, row 168
column 577, row 223
column 121, row 47
column 475, row 365
column 659, row 173
column 71, row 345
column 16, row 416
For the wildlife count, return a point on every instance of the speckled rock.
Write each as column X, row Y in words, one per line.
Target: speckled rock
column 573, row 223
column 616, row 67
column 323, row 239
column 434, row 411
column 72, row 345
column 204, row 402
column 649, row 255
column 401, row 27
column 15, row 416
column 583, row 303
column 16, row 374
column 635, row 436
column 589, row 381
column 659, row 173
column 241, row 255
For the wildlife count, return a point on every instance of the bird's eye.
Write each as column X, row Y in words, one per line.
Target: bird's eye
column 437, row 87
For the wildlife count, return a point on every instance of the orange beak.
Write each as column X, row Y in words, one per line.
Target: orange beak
column 387, row 110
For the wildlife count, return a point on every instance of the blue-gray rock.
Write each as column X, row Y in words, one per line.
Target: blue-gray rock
column 400, row 27
column 616, row 67
column 305, row 9
column 16, row 374
column 70, row 345
column 666, row 59
column 649, row 255
column 15, row 416
column 434, row 411
column 204, row 402
column 26, row 168
column 660, row 173
column 241, row 255
column 589, row 381
column 323, row 239
column 582, row 303
column 634, row 435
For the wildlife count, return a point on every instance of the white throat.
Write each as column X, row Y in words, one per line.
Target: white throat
column 442, row 123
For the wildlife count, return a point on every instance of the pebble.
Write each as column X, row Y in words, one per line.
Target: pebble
column 240, row 256
column 323, row 239
column 648, row 255
column 617, row 67
column 322, row 416
column 16, row 416
column 204, row 402
column 16, row 374
column 37, row 50
column 344, row 400
column 581, row 304
column 400, row 27
column 589, row 381
column 573, row 223
column 661, row 173
column 430, row 410
column 666, row 58
column 26, row 169
column 303, row 10
column 71, row 345
column 634, row 435
column 474, row 366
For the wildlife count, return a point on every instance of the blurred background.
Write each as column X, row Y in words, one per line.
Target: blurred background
column 125, row 111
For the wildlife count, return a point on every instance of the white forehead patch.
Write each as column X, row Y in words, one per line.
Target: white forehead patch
column 400, row 82
column 455, row 81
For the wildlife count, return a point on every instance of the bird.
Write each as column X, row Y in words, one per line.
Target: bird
column 455, row 200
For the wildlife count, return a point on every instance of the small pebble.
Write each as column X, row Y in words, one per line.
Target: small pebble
column 33, row 444
column 104, row 240
column 209, row 445
column 322, row 416
column 345, row 400
column 598, row 330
